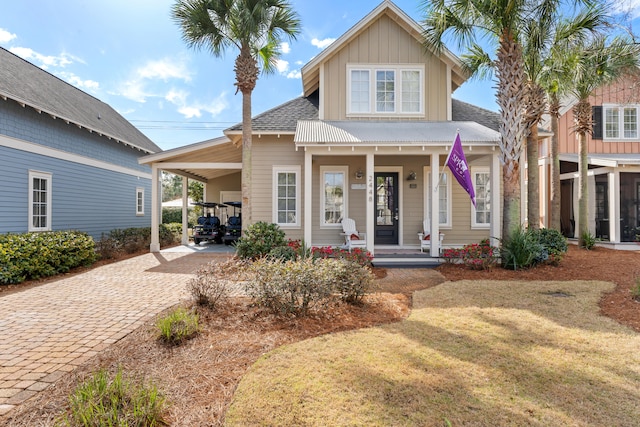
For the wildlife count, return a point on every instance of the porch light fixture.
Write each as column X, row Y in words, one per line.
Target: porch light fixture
column 412, row 176
column 359, row 174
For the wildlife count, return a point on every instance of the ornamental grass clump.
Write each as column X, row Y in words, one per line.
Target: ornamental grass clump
column 105, row 400
column 178, row 326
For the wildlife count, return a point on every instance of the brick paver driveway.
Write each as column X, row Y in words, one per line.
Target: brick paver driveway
column 48, row 330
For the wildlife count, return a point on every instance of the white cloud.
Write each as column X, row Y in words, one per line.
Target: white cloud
column 282, row 66
column 164, row 69
column 45, row 61
column 6, row 36
column 631, row 7
column 134, row 90
column 295, row 74
column 90, row 85
column 285, row 48
column 321, row 44
column 190, row 110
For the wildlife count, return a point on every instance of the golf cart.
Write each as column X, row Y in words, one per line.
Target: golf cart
column 209, row 226
column 233, row 229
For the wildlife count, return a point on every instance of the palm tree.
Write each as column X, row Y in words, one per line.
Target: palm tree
column 545, row 40
column 501, row 23
column 598, row 63
column 256, row 29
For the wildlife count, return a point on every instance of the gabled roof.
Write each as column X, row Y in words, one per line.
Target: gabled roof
column 31, row 86
column 311, row 70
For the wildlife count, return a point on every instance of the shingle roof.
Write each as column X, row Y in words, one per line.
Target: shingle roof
column 284, row 118
column 31, row 86
column 464, row 112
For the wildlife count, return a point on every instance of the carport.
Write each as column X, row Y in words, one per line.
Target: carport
column 205, row 161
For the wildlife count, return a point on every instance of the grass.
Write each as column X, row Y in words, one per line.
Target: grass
column 471, row 353
column 177, row 326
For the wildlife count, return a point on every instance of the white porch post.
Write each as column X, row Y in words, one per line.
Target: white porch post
column 495, row 230
column 614, row 206
column 308, row 226
column 370, row 199
column 155, row 209
column 185, row 203
column 434, row 215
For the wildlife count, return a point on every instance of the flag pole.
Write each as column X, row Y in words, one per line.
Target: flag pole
column 446, row 161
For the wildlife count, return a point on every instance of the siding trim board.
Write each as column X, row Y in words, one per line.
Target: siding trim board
column 29, row 147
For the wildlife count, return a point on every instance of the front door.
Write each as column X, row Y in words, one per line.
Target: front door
column 387, row 210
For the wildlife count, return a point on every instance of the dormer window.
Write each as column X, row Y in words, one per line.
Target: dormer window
column 385, row 90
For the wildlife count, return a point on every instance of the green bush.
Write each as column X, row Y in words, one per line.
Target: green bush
column 136, row 239
column 554, row 243
column 177, row 326
column 297, row 287
column 170, row 215
column 104, row 401
column 283, row 253
column 522, row 250
column 589, row 240
column 37, row 255
column 476, row 256
column 259, row 239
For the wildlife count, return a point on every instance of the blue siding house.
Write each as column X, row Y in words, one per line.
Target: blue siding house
column 68, row 161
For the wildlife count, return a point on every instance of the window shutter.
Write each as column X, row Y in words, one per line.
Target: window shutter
column 596, row 119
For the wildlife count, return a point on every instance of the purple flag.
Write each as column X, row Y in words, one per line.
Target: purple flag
column 459, row 167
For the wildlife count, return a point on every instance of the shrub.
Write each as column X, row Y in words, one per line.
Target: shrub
column 177, row 326
column 136, row 239
column 522, row 250
column 351, row 280
column 36, row 255
column 213, row 282
column 589, row 240
column 259, row 239
column 283, row 253
column 356, row 255
column 554, row 243
column 104, row 401
column 477, row 256
column 172, row 215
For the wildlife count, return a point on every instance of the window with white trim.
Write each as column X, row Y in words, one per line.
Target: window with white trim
column 139, row 201
column 286, row 196
column 333, row 195
column 444, row 197
column 39, row 201
column 621, row 122
column 481, row 214
column 392, row 90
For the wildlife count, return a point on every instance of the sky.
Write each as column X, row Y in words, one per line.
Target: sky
column 130, row 54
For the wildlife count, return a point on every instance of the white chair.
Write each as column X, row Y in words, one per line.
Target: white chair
column 425, row 236
column 352, row 238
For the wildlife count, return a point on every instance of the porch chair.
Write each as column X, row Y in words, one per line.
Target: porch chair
column 352, row 238
column 425, row 236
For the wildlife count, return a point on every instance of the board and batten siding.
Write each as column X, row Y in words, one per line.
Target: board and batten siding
column 28, row 125
column 85, row 198
column 269, row 151
column 384, row 42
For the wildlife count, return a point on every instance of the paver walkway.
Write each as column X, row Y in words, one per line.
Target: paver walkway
column 51, row 329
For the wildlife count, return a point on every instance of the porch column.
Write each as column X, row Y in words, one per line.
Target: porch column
column 371, row 194
column 308, row 226
column 155, row 209
column 495, row 230
column 185, row 212
column 614, row 206
column 434, row 215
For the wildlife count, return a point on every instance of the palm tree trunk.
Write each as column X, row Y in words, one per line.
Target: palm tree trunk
column 247, row 130
column 555, row 166
column 533, row 179
column 510, row 99
column 583, row 193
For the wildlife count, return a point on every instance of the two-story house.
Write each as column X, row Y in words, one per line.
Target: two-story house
column 368, row 140
column 614, row 166
column 68, row 161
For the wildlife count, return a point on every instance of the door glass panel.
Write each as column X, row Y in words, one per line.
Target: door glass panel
column 385, row 204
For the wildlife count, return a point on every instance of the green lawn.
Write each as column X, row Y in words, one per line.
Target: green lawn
column 471, row 353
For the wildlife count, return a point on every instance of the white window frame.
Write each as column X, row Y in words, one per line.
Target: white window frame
column 139, row 201
column 620, row 134
column 345, row 194
column 429, row 194
column 48, row 178
column 474, row 173
column 286, row 169
column 372, row 69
